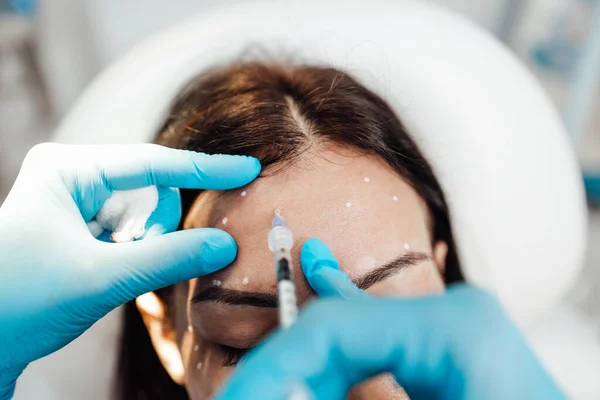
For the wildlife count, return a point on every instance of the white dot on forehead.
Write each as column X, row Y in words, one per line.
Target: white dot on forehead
column 225, row 220
column 216, row 282
column 348, row 204
column 245, row 280
column 406, row 246
column 367, row 179
column 190, row 328
column 244, row 193
column 199, row 366
column 395, row 198
column 196, row 347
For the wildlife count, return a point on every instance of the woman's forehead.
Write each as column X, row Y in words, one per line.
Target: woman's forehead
column 357, row 205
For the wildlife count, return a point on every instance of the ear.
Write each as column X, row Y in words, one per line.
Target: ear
column 162, row 334
column 440, row 251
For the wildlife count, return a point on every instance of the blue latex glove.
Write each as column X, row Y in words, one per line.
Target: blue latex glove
column 56, row 280
column 460, row 345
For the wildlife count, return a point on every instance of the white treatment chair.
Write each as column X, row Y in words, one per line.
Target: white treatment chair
column 492, row 136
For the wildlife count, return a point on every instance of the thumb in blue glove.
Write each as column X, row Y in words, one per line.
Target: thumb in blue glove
column 457, row 346
column 323, row 273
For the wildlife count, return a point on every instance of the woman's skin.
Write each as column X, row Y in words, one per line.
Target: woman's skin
column 374, row 222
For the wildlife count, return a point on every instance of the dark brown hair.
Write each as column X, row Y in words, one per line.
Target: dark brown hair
column 275, row 112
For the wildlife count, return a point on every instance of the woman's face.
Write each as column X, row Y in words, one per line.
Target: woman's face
column 369, row 217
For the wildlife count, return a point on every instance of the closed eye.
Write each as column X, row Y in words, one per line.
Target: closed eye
column 232, row 355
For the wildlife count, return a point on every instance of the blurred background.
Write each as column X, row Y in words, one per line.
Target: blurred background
column 50, row 51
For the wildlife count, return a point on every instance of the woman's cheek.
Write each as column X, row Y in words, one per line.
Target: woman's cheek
column 205, row 373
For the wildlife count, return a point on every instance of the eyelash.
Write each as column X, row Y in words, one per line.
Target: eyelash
column 232, row 355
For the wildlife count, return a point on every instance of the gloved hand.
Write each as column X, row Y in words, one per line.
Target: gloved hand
column 460, row 345
column 56, row 280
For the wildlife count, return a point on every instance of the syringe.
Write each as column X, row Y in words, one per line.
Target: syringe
column 280, row 243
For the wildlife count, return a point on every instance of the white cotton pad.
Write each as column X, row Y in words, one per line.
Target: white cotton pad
column 125, row 214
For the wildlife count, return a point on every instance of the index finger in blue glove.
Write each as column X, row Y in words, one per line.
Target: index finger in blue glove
column 323, row 273
column 150, row 164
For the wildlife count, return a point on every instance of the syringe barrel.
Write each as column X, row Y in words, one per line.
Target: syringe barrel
column 280, row 237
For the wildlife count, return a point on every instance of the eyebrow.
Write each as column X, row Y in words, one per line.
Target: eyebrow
column 236, row 297
column 220, row 295
column 390, row 269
